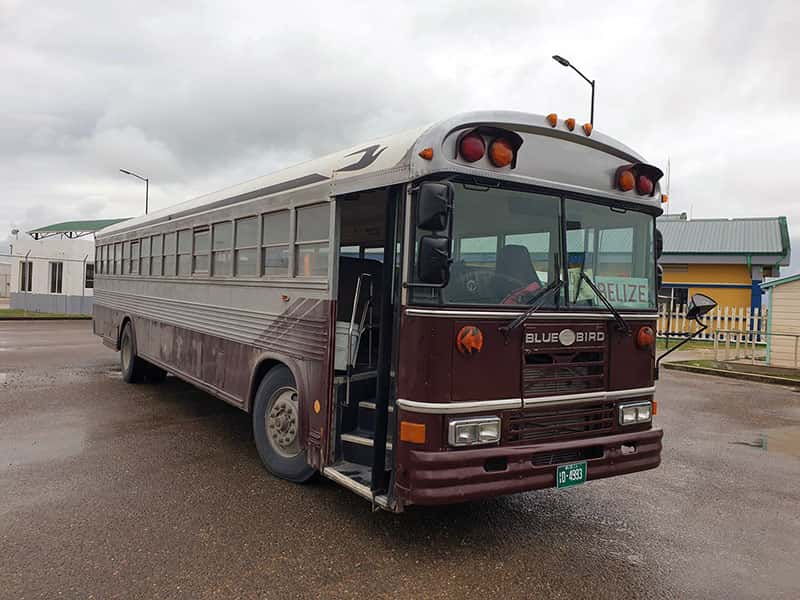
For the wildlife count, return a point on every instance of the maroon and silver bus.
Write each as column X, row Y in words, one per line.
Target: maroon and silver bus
column 459, row 311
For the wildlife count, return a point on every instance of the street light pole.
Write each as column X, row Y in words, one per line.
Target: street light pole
column 146, row 187
column 563, row 61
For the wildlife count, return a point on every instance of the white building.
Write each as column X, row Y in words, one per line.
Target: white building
column 53, row 270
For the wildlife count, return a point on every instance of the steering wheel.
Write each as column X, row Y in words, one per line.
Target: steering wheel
column 477, row 284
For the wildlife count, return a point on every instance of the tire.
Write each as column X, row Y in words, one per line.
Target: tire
column 276, row 427
column 133, row 368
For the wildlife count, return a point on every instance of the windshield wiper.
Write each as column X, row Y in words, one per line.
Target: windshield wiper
column 536, row 302
column 621, row 323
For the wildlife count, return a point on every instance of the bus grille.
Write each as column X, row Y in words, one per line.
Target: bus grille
column 548, row 373
column 558, row 422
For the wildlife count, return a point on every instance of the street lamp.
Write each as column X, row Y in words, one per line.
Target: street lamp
column 563, row 61
column 146, row 187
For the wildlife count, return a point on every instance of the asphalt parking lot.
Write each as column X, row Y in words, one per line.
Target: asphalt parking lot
column 115, row 491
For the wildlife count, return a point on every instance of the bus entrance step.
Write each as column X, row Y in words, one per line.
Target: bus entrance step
column 357, row 447
column 366, row 417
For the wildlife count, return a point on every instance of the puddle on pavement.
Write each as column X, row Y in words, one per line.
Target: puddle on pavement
column 783, row 441
column 22, row 444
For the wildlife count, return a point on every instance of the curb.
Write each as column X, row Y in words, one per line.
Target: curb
column 81, row 318
column 676, row 366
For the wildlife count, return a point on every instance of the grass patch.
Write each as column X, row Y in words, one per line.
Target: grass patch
column 749, row 369
column 18, row 313
column 661, row 344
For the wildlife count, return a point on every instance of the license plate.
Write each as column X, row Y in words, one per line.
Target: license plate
column 572, row 474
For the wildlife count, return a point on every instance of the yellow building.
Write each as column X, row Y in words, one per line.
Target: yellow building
column 726, row 259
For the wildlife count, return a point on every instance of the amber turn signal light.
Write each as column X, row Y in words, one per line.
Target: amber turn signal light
column 412, row 432
column 645, row 337
column 426, row 153
column 626, row 181
column 552, row 118
column 501, row 154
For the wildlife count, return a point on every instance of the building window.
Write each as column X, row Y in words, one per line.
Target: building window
column 157, row 249
column 221, row 250
column 56, row 277
column 200, row 255
column 89, row 276
column 246, row 254
column 25, row 276
column 134, row 265
column 169, row 254
column 103, row 255
column 275, row 242
column 97, row 255
column 311, row 242
column 144, row 260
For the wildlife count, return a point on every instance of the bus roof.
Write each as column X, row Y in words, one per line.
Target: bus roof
column 394, row 159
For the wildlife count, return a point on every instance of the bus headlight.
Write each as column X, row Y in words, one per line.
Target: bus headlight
column 635, row 412
column 474, row 431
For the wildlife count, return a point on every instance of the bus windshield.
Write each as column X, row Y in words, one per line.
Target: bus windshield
column 507, row 244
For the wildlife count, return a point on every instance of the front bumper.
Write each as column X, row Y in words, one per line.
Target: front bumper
column 461, row 475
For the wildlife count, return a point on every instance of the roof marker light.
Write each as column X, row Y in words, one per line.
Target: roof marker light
column 570, row 123
column 552, row 118
column 587, row 129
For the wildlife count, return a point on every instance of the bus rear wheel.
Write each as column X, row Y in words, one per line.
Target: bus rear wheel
column 133, row 368
column 276, row 427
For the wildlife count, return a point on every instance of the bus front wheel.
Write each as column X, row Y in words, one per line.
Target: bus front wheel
column 132, row 367
column 276, row 426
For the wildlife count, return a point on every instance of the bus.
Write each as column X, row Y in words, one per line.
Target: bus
column 463, row 310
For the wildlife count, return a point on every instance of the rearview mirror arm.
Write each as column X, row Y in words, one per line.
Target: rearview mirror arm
column 688, row 339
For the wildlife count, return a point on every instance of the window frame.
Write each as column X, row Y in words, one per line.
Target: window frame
column 26, row 276
column 56, row 276
column 88, row 279
column 288, row 244
column 298, row 243
column 206, row 229
column 133, row 263
column 215, row 251
column 256, row 245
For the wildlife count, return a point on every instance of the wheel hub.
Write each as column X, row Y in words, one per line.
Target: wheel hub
column 282, row 423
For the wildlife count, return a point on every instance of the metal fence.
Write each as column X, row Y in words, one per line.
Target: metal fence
column 734, row 323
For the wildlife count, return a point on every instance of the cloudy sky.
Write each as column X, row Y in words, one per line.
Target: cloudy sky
column 199, row 98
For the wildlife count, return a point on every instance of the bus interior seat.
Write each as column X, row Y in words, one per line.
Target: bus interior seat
column 514, row 261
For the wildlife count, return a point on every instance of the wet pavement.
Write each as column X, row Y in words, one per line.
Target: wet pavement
column 115, row 491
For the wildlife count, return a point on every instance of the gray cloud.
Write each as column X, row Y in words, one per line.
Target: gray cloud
column 202, row 97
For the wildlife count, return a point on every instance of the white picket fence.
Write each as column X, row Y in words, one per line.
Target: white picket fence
column 725, row 323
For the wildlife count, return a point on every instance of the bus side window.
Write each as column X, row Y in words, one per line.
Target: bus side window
column 313, row 224
column 275, row 242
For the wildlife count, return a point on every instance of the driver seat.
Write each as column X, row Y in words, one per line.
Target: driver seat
column 514, row 261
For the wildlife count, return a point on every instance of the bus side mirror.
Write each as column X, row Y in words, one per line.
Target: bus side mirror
column 659, row 244
column 433, row 208
column 433, row 265
column 699, row 305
